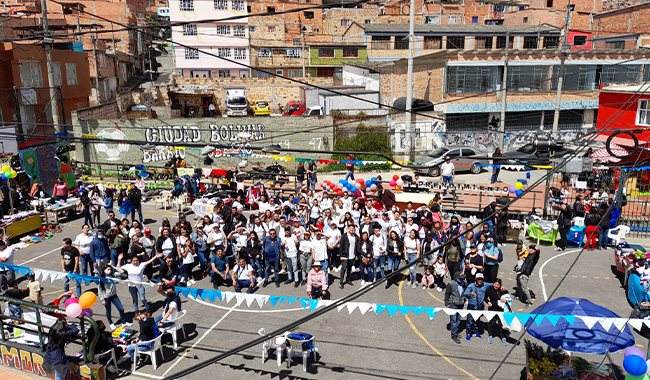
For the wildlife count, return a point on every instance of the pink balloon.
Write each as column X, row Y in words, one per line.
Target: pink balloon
column 399, row 182
column 69, row 301
column 73, row 310
column 393, row 183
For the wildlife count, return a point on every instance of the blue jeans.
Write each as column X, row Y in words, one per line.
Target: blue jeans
column 137, row 208
column 138, row 292
column 114, row 255
column 257, row 266
column 381, row 260
column 325, row 265
column 218, row 280
column 602, row 237
column 292, row 268
column 275, row 265
column 367, row 272
column 447, row 180
column 243, row 284
column 454, row 321
column 203, row 257
column 142, row 346
column 413, row 276
column 66, row 285
column 165, row 324
column 472, row 325
column 495, row 174
column 312, row 181
column 349, row 174
column 118, row 305
column 393, row 263
column 85, row 263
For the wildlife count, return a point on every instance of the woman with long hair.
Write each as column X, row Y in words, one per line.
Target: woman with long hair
column 394, row 251
column 254, row 253
column 364, row 251
column 55, row 357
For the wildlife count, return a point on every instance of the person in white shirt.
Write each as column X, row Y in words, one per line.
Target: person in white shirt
column 319, row 249
column 263, row 205
column 306, row 254
column 447, row 171
column 290, row 244
column 172, row 306
column 260, row 228
column 242, row 276
column 384, row 222
column 347, row 201
column 239, row 237
column 333, row 236
column 396, row 224
column 314, row 211
column 419, row 180
column 412, row 253
column 379, row 243
column 348, row 255
column 326, row 202
column 135, row 271
column 82, row 243
column 6, row 252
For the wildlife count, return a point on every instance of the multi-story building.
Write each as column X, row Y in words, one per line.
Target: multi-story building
column 217, row 49
column 327, row 60
column 623, row 28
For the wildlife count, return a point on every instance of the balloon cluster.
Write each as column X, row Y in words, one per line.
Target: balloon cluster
column 516, row 189
column 397, row 183
column 8, row 173
column 635, row 365
column 80, row 307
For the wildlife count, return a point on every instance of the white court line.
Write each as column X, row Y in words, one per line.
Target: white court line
column 38, row 257
column 242, row 310
column 541, row 278
column 200, row 339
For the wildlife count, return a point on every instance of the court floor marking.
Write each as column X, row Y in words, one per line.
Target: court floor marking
column 38, row 257
column 541, row 269
column 417, row 332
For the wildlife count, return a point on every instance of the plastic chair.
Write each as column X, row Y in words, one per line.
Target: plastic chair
column 277, row 343
column 173, row 330
column 579, row 221
column 165, row 199
column 298, row 348
column 181, row 202
column 157, row 346
column 112, row 359
column 617, row 234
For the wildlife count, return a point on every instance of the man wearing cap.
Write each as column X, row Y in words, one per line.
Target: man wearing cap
column 523, row 275
column 475, row 294
column 454, row 299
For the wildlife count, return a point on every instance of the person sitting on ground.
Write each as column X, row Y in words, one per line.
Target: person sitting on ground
column 220, row 273
column 427, row 279
column 172, row 306
column 242, row 276
column 439, row 272
column 317, row 282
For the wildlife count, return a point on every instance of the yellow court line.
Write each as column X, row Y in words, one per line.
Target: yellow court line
column 434, row 297
column 401, row 302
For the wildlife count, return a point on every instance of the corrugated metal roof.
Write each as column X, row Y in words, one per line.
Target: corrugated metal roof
column 466, row 29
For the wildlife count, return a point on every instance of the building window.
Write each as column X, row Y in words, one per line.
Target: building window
column 248, row 8
column 191, row 53
column 71, row 74
column 271, row 29
column 187, row 5
column 551, row 42
column 239, row 30
column 452, row 19
column 221, row 5
column 315, row 30
column 576, row 78
column 579, row 40
column 474, row 19
column 530, row 43
column 224, row 52
column 615, row 45
column 501, row 42
column 483, row 42
column 224, row 73
column 190, row 30
column 294, row 73
column 261, row 74
column 223, row 30
column 433, row 42
column 401, row 43
column 350, row 53
column 309, row 14
column 643, row 115
column 270, row 9
column 549, row 3
column 30, row 74
column 434, row 20
column 620, row 74
column 455, row 42
column 296, row 42
column 325, row 53
column 264, row 53
column 252, row 29
column 367, row 22
column 293, row 53
column 238, row 5
column 279, row 72
column 472, row 79
column 345, row 22
column 528, row 78
column 380, row 42
column 240, row 53
column 56, row 70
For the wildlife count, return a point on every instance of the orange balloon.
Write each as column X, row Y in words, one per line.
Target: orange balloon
column 87, row 300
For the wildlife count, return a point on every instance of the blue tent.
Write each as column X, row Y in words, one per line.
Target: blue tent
column 577, row 337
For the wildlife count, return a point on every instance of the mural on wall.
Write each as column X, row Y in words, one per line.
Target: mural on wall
column 111, row 151
column 41, row 167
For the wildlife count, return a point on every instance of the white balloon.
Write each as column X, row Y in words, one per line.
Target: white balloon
column 357, row 185
column 339, row 185
column 399, row 182
column 373, row 187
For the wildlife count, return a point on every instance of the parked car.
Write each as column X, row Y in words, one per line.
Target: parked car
column 261, row 108
column 462, row 157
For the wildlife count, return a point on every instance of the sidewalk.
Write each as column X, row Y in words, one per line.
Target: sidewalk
column 6, row 373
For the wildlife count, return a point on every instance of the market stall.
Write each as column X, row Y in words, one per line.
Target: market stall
column 542, row 230
column 21, row 223
column 60, row 207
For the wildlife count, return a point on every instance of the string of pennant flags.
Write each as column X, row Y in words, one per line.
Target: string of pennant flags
column 149, row 185
column 363, row 308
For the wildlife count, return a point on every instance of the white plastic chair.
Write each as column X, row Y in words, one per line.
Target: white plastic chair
column 111, row 359
column 617, row 234
column 173, row 330
column 157, row 346
column 165, row 199
column 181, row 202
column 297, row 347
column 277, row 343
column 579, row 221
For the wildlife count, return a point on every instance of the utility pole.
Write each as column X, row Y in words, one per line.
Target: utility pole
column 504, row 93
column 409, row 82
column 560, row 79
column 50, row 70
column 99, row 95
column 302, row 37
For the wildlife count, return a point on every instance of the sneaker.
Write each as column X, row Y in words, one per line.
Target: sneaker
column 478, row 336
column 260, row 279
column 527, row 305
column 112, row 326
column 283, row 271
column 456, row 339
column 439, row 290
column 128, row 324
column 295, row 284
column 424, row 287
column 408, row 283
column 468, row 337
column 182, row 279
column 489, row 339
column 341, row 286
column 355, row 269
column 504, row 341
column 363, row 283
column 304, row 282
column 277, row 284
column 265, row 284
column 415, row 285
column 388, row 284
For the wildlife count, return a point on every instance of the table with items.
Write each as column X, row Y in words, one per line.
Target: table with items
column 21, row 223
column 60, row 207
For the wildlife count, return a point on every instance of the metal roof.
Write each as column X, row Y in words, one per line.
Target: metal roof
column 462, row 29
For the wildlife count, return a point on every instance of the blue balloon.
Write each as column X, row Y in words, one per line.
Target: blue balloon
column 518, row 192
column 373, row 179
column 368, row 182
column 341, row 180
column 635, row 365
column 4, row 177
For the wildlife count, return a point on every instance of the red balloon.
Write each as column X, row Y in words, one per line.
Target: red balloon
column 395, row 177
column 360, row 181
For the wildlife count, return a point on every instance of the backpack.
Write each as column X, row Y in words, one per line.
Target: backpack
column 500, row 255
column 156, row 330
column 307, row 346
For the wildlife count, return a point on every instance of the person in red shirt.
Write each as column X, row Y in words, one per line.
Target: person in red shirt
column 350, row 167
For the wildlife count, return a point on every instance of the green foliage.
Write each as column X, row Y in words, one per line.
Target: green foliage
column 367, row 139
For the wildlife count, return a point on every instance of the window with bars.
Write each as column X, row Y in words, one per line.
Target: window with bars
column 380, row 42
column 472, row 79
column 224, row 73
column 223, row 30
column 452, row 19
column 296, row 42
column 239, row 30
column 620, row 74
column 531, row 42
column 576, row 78
column 293, row 53
column 190, row 30
column 240, row 53
column 433, row 20
column 501, row 42
column 191, row 53
column 528, row 78
column 221, row 5
column 401, row 43
column 615, row 45
column 483, row 42
column 264, row 53
column 433, row 42
column 551, row 42
column 186, row 5
column 56, row 70
column 224, row 52
column 252, row 29
column 345, row 22
column 643, row 114
column 261, row 74
column 31, row 74
column 456, row 42
column 294, row 73
column 238, row 5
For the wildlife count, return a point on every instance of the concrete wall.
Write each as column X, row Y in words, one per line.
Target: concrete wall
column 186, row 137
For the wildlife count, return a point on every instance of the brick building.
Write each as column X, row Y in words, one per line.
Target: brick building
column 626, row 28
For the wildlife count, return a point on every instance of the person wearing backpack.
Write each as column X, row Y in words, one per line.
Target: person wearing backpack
column 493, row 257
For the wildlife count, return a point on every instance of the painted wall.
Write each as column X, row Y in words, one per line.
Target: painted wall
column 609, row 109
column 186, row 137
column 338, row 59
column 357, row 76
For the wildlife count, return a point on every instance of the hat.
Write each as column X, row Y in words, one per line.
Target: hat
column 519, row 241
column 317, row 264
column 147, row 230
column 459, row 275
column 472, row 246
column 479, row 276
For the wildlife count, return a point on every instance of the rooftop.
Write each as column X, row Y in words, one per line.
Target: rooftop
column 633, row 88
column 468, row 29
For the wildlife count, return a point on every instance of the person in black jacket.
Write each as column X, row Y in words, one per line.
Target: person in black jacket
column 348, row 251
column 493, row 296
column 135, row 196
column 591, row 229
column 489, row 214
column 604, row 225
column 395, row 253
column 454, row 299
column 111, row 222
column 524, row 274
column 502, row 226
column 578, row 207
column 563, row 223
column 147, row 333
